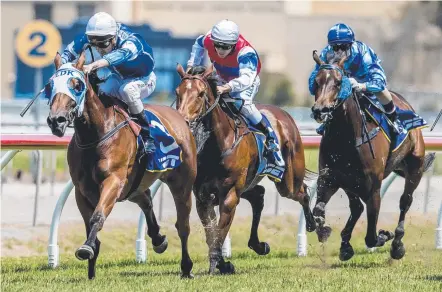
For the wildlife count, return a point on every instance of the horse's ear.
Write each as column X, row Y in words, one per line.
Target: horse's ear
column 57, row 61
column 180, row 70
column 81, row 61
column 208, row 71
column 317, row 59
column 342, row 61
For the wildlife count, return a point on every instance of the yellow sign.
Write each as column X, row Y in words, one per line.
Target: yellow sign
column 37, row 43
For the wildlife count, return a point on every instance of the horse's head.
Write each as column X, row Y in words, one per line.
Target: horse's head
column 193, row 94
column 332, row 87
column 66, row 92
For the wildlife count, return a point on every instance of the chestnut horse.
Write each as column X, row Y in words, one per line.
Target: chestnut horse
column 353, row 168
column 104, row 167
column 228, row 162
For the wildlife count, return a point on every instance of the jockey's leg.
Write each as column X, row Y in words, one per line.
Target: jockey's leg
column 131, row 92
column 386, row 100
column 250, row 112
column 111, row 85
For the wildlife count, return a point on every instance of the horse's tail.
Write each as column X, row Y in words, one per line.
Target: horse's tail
column 428, row 161
column 310, row 175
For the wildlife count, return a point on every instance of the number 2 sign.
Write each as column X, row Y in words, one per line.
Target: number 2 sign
column 37, row 43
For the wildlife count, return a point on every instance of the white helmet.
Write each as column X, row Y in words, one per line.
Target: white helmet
column 226, row 32
column 101, row 24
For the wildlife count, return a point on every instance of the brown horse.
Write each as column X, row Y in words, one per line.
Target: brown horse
column 104, row 168
column 228, row 161
column 344, row 165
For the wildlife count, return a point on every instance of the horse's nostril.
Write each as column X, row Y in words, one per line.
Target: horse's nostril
column 61, row 120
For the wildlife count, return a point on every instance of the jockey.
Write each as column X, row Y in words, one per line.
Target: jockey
column 130, row 65
column 366, row 73
column 237, row 66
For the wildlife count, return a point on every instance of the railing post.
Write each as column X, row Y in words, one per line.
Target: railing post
column 37, row 185
column 140, row 242
column 8, row 156
column 53, row 249
column 302, row 234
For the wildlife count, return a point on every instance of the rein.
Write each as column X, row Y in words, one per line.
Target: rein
column 194, row 124
column 341, row 99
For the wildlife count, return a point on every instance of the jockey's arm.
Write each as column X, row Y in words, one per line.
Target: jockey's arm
column 197, row 54
column 248, row 69
column 376, row 81
column 73, row 50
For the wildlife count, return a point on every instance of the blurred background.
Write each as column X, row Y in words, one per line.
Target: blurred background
column 407, row 36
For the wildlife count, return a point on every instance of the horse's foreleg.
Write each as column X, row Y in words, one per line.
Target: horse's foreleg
column 256, row 198
column 325, row 190
column 412, row 179
column 144, row 201
column 356, row 209
column 208, row 219
column 182, row 195
column 373, row 204
column 86, row 210
column 227, row 210
column 110, row 188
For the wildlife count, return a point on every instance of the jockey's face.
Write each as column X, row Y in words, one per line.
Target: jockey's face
column 106, row 49
column 341, row 49
column 103, row 46
column 223, row 50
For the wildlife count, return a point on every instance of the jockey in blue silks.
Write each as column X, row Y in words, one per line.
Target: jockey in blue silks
column 363, row 66
column 127, row 60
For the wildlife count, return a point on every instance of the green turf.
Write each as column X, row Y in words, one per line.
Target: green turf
column 281, row 270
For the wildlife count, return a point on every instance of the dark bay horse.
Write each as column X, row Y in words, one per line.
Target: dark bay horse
column 104, row 168
column 228, row 161
column 354, row 169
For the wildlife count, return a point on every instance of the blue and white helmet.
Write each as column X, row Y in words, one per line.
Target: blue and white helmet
column 340, row 33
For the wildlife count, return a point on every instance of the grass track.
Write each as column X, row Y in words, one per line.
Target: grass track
column 281, row 270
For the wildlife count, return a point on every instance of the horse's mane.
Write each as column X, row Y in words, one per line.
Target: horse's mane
column 211, row 79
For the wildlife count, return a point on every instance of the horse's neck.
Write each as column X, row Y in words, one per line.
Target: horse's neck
column 96, row 117
column 223, row 128
column 346, row 123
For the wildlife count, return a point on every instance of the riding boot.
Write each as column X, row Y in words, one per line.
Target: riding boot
column 392, row 116
column 270, row 142
column 149, row 145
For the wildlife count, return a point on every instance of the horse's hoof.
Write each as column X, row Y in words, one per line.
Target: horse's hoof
column 323, row 233
column 85, row 252
column 397, row 251
column 263, row 248
column 370, row 249
column 226, row 268
column 319, row 220
column 212, row 268
column 162, row 246
column 346, row 253
column 187, row 276
column 310, row 227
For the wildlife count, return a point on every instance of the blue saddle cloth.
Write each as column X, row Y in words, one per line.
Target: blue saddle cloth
column 409, row 120
column 267, row 165
column 168, row 153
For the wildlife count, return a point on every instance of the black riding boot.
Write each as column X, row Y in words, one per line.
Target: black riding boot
column 270, row 142
column 149, row 145
column 398, row 128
